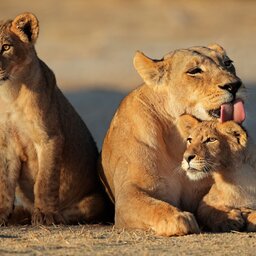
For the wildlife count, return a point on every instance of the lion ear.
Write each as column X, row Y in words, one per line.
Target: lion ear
column 185, row 124
column 234, row 131
column 152, row 71
column 26, row 27
column 217, row 48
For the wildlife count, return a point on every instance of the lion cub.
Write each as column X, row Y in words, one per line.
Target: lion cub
column 47, row 154
column 223, row 150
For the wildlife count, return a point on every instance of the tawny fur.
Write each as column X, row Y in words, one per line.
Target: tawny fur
column 142, row 149
column 224, row 151
column 47, row 154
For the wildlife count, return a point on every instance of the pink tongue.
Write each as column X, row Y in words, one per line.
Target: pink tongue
column 232, row 111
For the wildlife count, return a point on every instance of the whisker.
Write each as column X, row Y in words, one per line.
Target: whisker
column 211, row 164
column 207, row 168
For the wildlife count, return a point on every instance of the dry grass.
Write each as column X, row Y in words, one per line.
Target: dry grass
column 106, row 240
column 90, row 46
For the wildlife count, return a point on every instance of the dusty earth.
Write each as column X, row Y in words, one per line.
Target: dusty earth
column 90, row 46
column 105, row 240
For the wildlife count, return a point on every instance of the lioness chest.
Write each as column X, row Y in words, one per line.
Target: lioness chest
column 25, row 145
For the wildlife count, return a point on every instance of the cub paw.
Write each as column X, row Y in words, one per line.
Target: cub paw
column 251, row 222
column 46, row 218
column 181, row 223
column 228, row 221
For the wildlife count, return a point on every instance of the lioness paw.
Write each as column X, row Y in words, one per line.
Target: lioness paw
column 182, row 223
column 40, row 218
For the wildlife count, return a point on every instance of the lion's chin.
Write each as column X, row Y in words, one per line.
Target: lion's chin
column 194, row 174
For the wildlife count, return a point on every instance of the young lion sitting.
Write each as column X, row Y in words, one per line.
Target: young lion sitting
column 46, row 150
column 223, row 150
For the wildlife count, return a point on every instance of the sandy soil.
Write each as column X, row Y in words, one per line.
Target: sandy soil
column 105, row 240
column 90, row 46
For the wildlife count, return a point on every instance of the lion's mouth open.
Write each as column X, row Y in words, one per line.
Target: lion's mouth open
column 230, row 111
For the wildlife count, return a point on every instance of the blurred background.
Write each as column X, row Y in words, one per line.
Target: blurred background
column 90, row 44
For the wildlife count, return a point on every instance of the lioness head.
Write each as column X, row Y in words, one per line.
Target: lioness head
column 200, row 81
column 211, row 145
column 17, row 38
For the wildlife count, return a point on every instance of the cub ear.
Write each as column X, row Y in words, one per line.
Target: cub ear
column 217, row 48
column 234, row 131
column 152, row 71
column 26, row 27
column 185, row 124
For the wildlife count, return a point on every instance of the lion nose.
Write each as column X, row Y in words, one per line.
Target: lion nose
column 231, row 87
column 189, row 157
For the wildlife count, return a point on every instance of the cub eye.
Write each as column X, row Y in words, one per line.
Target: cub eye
column 228, row 63
column 189, row 140
column 210, row 139
column 5, row 47
column 194, row 71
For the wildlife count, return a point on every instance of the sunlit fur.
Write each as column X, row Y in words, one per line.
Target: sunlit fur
column 46, row 151
column 209, row 146
column 230, row 159
column 143, row 148
column 197, row 169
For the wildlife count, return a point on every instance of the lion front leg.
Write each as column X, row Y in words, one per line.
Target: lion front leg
column 9, row 173
column 92, row 207
column 47, row 183
column 137, row 209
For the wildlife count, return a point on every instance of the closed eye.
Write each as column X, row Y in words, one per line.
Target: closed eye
column 195, row 71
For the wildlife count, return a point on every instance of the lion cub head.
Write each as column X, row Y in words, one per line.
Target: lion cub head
column 211, row 145
column 17, row 39
column 200, row 81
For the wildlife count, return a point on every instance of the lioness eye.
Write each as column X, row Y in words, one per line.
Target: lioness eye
column 194, row 71
column 228, row 63
column 189, row 140
column 211, row 139
column 5, row 47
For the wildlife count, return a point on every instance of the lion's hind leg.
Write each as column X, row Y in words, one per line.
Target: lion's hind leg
column 20, row 216
column 92, row 208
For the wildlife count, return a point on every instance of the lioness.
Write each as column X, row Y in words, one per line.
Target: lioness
column 143, row 149
column 46, row 150
column 223, row 150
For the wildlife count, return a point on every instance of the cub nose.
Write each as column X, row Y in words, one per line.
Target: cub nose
column 231, row 87
column 188, row 157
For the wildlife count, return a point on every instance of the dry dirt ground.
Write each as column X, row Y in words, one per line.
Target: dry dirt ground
column 90, row 45
column 105, row 240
